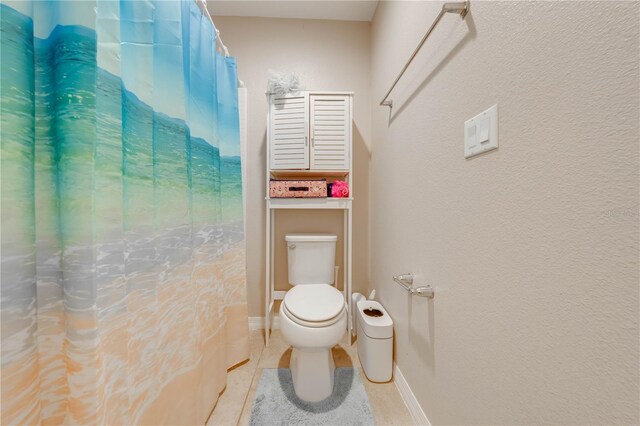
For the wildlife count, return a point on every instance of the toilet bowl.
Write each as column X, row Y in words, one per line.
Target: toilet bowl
column 313, row 319
column 313, row 316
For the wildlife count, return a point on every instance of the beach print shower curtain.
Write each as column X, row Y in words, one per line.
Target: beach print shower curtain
column 123, row 261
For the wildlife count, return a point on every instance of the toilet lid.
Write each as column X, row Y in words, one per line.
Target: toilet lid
column 314, row 302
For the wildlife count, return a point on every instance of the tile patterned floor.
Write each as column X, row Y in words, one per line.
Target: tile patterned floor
column 234, row 405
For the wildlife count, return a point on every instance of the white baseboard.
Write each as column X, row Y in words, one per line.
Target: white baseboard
column 409, row 398
column 257, row 323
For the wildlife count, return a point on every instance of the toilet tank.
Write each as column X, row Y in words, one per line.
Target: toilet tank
column 311, row 258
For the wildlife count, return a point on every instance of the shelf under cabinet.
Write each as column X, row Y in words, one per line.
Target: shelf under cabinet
column 309, row 203
column 309, row 173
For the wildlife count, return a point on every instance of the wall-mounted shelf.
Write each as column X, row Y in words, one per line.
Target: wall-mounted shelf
column 308, row 137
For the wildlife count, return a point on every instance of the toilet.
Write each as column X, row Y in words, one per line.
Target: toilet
column 313, row 316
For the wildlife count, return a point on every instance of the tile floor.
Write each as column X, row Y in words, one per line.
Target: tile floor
column 234, row 405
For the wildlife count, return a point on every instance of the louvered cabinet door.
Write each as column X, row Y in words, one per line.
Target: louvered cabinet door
column 330, row 132
column 289, row 143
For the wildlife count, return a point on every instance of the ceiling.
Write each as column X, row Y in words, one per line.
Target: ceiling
column 342, row 10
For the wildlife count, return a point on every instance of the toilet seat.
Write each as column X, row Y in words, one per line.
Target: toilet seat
column 314, row 305
column 311, row 324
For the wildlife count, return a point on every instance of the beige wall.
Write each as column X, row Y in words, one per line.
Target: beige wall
column 327, row 55
column 533, row 248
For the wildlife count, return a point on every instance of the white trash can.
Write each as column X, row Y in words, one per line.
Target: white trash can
column 375, row 341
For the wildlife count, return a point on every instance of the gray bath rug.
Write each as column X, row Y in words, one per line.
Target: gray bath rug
column 276, row 402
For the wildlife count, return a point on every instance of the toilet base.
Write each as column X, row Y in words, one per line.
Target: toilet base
column 312, row 373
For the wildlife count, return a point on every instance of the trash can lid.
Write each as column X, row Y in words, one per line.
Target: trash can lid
column 374, row 320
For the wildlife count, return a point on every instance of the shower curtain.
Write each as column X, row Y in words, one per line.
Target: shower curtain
column 122, row 291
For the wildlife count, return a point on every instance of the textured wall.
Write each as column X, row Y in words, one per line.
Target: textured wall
column 327, row 55
column 532, row 249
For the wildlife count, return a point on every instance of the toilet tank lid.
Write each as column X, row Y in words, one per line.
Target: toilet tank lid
column 307, row 238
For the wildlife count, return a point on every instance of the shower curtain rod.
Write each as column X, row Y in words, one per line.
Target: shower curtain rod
column 202, row 4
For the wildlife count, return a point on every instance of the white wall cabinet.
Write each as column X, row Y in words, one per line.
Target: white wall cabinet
column 310, row 131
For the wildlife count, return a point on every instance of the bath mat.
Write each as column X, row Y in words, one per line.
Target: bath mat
column 276, row 403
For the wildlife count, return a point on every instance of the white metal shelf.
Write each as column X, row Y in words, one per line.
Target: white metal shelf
column 313, row 92
column 306, row 173
column 309, row 203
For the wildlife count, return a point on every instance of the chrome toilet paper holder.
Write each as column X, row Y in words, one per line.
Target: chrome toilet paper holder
column 406, row 281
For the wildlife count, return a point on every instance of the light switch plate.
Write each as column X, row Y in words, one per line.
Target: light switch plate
column 481, row 133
